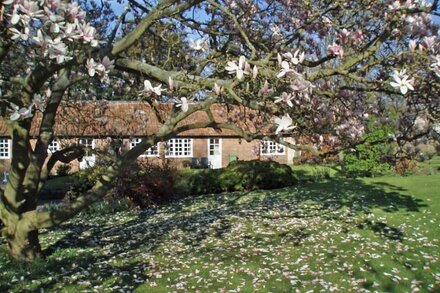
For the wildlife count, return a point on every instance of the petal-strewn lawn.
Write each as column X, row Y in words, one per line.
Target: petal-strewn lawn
column 379, row 234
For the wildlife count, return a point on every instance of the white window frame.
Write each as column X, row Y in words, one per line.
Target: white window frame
column 271, row 145
column 87, row 145
column 5, row 148
column 149, row 152
column 187, row 143
column 53, row 146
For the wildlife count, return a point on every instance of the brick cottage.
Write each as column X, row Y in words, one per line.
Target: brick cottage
column 119, row 126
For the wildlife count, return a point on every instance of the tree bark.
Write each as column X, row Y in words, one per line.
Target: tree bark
column 23, row 240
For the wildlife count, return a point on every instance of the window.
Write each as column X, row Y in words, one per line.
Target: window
column 53, row 146
column 271, row 148
column 214, row 147
column 151, row 152
column 89, row 143
column 5, row 147
column 179, row 147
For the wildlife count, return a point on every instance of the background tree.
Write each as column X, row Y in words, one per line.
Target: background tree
column 320, row 68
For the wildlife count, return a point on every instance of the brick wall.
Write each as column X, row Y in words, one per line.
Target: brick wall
column 231, row 148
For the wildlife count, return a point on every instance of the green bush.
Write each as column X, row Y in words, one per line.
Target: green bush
column 85, row 179
column 240, row 175
column 371, row 157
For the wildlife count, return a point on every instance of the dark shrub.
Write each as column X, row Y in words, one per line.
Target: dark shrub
column 241, row 175
column 255, row 174
column 142, row 183
column 146, row 184
column 63, row 170
column 203, row 181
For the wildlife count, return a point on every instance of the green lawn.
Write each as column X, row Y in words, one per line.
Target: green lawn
column 376, row 234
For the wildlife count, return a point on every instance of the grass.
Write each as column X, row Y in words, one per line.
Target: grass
column 375, row 234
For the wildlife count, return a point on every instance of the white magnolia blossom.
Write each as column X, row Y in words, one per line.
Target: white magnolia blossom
column 16, row 34
column 20, row 113
column 296, row 58
column 286, row 98
column 51, row 25
column 412, row 45
column 100, row 69
column 285, row 69
column 199, row 45
column 149, row 89
column 239, row 69
column 284, row 123
column 218, row 90
column 183, row 104
column 436, row 65
column 402, row 81
column 170, row 83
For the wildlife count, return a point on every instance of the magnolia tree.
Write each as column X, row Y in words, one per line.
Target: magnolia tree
column 317, row 69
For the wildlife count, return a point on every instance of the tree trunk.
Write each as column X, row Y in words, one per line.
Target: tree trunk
column 23, row 242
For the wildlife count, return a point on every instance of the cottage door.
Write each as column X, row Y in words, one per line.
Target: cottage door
column 89, row 158
column 215, row 153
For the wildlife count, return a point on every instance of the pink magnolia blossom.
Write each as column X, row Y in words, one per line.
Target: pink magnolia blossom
column 91, row 66
column 335, row 50
column 30, row 10
column 286, row 98
column 58, row 50
column 20, row 113
column 429, row 42
column 73, row 12
column 344, row 35
column 358, row 36
column 100, row 69
column 264, row 90
column 70, row 31
column 395, row 6
column 107, row 63
column 87, row 34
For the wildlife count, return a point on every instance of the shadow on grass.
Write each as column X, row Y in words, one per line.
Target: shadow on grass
column 123, row 250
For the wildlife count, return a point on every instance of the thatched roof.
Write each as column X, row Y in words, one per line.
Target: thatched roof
column 137, row 119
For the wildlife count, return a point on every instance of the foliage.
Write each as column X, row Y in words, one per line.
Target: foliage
column 314, row 172
column 370, row 157
column 145, row 183
column 63, row 170
column 85, row 179
column 405, row 166
column 238, row 176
